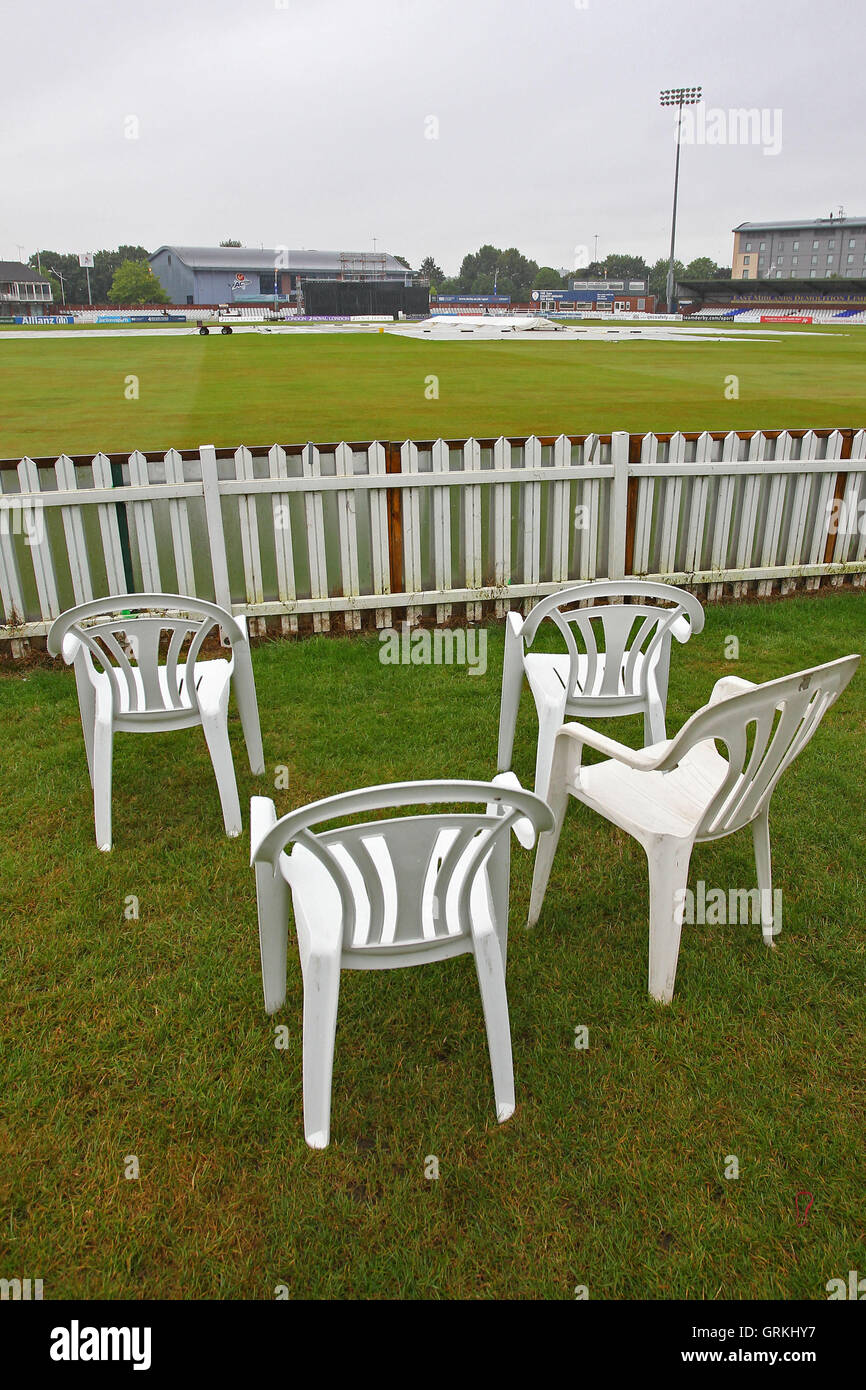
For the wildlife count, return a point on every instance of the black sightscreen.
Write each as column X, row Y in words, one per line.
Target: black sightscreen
column 338, row 297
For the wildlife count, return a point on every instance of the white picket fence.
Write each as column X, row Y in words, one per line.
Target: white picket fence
column 439, row 527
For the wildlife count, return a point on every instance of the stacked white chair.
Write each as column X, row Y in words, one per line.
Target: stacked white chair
column 124, row 685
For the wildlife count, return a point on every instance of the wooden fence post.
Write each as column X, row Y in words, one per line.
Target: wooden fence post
column 395, row 520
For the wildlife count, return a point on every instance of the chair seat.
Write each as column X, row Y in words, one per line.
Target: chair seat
column 548, row 675
column 211, row 679
column 655, row 803
column 318, row 914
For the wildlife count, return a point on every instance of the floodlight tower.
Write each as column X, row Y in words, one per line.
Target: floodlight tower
column 678, row 97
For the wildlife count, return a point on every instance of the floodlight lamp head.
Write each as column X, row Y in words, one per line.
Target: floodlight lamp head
column 680, row 96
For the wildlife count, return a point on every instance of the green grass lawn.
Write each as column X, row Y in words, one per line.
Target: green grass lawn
column 68, row 395
column 148, row 1036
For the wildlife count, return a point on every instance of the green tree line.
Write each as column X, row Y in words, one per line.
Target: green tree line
column 106, row 265
column 517, row 275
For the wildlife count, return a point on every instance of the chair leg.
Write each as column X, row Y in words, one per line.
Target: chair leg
column 87, row 711
column 216, row 731
column 668, row 860
column 763, row 864
column 544, row 857
column 102, row 751
column 550, row 720
column 321, row 997
column 248, row 709
column 494, row 1001
column 512, row 683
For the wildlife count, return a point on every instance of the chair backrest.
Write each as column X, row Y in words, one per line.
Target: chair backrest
column 408, row 881
column 123, row 638
column 762, row 731
column 619, row 633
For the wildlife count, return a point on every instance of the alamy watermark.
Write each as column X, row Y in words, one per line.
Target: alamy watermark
column 712, row 125
column 77, row 1343
column 736, row 907
column 440, row 646
column 855, row 1287
column 17, row 1290
column 22, row 517
column 846, row 518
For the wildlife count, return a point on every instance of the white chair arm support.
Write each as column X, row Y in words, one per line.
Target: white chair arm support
column 523, row 830
column 263, row 815
column 514, row 625
column 71, row 647
column 728, row 686
column 682, row 628
column 644, row 759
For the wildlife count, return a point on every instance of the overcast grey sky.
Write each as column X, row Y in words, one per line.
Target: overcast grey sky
column 307, row 123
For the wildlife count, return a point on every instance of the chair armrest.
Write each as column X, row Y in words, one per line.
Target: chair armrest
column 514, row 625
column 728, row 686
column 523, row 828
column 643, row 759
column 682, row 628
column 72, row 645
column 241, row 620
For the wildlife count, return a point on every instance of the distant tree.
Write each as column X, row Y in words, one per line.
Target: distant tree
column 659, row 274
column 431, row 270
column 510, row 271
column 723, row 272
column 105, row 263
column 703, row 268
column 229, row 242
column 624, row 267
column 548, row 279
column 593, row 271
column 401, row 260
column 135, row 283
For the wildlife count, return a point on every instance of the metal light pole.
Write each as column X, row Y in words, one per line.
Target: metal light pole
column 678, row 97
column 61, row 278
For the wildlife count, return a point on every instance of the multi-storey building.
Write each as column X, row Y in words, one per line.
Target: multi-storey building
column 806, row 250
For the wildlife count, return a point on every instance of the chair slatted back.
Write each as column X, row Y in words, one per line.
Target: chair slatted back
column 409, row 881
column 124, row 638
column 763, row 731
column 619, row 636
column 617, row 642
column 120, row 659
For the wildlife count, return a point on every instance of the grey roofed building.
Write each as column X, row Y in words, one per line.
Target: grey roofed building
column 245, row 274
column 23, row 290
column 819, row 223
column 813, row 248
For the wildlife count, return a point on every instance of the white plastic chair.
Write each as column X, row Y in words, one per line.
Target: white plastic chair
column 385, row 894
column 684, row 790
column 123, row 685
column 616, row 660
